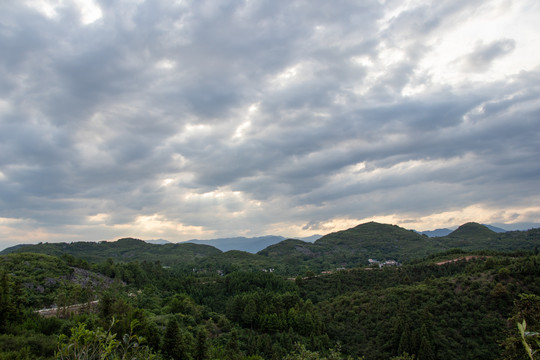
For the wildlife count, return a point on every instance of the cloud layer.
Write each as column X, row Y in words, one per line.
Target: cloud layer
column 199, row 119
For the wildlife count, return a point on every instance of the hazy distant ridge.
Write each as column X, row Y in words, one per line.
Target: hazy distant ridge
column 252, row 245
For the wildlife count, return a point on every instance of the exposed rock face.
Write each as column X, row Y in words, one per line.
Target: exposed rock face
column 304, row 250
column 86, row 278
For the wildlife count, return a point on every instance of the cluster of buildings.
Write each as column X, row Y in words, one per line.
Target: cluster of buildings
column 383, row 263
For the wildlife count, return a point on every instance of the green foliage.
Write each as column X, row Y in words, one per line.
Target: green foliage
column 472, row 232
column 232, row 350
column 28, row 345
column 100, row 344
column 530, row 341
column 467, row 306
column 45, row 280
column 404, row 356
column 301, row 353
column 522, row 344
column 174, row 345
column 9, row 300
column 201, row 345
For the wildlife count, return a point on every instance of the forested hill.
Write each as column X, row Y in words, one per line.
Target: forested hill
column 353, row 247
column 126, row 249
column 348, row 248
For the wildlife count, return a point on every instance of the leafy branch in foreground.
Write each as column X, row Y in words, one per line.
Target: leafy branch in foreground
column 528, row 337
column 86, row 344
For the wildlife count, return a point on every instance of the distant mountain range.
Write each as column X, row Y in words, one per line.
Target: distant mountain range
column 250, row 245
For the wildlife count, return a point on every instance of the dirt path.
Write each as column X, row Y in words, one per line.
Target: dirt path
column 67, row 310
column 466, row 258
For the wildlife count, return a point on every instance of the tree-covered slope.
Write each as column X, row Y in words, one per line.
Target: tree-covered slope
column 44, row 280
column 471, row 233
column 126, row 249
column 381, row 241
column 473, row 236
column 290, row 246
column 460, row 307
column 234, row 260
column 353, row 247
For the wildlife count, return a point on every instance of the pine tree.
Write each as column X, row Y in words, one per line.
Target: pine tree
column 3, row 299
column 173, row 347
column 426, row 350
column 250, row 313
column 201, row 345
column 105, row 305
column 232, row 349
column 405, row 342
column 9, row 307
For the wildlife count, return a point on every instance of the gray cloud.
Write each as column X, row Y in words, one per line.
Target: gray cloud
column 258, row 111
column 484, row 54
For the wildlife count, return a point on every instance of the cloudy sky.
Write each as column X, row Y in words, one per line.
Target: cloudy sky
column 204, row 119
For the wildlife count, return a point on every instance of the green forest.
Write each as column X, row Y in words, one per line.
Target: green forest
column 375, row 291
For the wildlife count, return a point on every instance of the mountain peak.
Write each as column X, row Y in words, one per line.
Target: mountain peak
column 377, row 226
column 370, row 232
column 128, row 240
column 472, row 229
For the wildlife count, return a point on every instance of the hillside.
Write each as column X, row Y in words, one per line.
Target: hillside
column 47, row 280
column 473, row 236
column 126, row 249
column 445, row 231
column 352, row 247
column 289, row 247
column 472, row 231
column 235, row 260
column 374, row 240
column 461, row 306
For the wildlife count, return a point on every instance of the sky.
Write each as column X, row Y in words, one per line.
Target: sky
column 205, row 119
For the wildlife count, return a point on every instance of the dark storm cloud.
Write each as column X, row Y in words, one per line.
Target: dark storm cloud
column 277, row 111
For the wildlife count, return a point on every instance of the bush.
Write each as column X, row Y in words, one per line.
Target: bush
column 85, row 344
